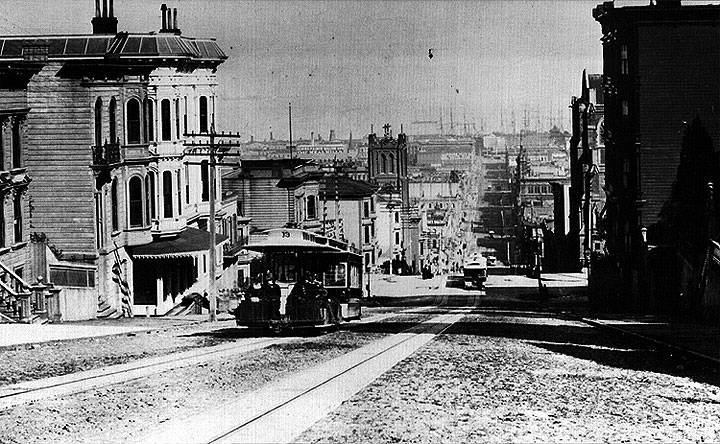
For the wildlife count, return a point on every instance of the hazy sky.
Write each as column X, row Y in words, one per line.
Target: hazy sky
column 345, row 65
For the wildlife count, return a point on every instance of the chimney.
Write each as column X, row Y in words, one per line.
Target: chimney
column 312, row 138
column 252, row 138
column 175, row 25
column 104, row 21
column 163, row 10
column 332, row 135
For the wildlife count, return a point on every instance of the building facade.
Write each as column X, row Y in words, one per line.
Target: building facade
column 660, row 73
column 122, row 206
column 398, row 221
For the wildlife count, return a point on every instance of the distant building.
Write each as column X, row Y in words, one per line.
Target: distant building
column 259, row 199
column 322, row 151
column 397, row 221
column 335, row 206
column 445, row 152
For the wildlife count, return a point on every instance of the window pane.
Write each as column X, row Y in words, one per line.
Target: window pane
column 17, row 222
column 203, row 114
column 179, row 193
column 149, row 120
column 204, row 178
column 16, row 148
column 98, row 122
column 133, row 121
column 111, row 120
column 114, row 203
column 167, row 194
column 165, row 117
column 136, row 213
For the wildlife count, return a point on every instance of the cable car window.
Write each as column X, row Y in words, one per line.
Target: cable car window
column 286, row 273
column 354, row 276
column 335, row 275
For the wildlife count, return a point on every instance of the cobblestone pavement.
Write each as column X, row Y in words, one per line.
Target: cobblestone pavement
column 509, row 377
column 118, row 413
column 160, row 336
column 26, row 362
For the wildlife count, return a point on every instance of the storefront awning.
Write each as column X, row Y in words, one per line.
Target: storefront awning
column 188, row 243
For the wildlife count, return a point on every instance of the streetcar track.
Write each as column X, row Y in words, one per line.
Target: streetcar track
column 257, row 407
column 189, row 358
column 326, row 381
column 73, row 383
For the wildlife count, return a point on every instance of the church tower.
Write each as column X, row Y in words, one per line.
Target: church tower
column 387, row 163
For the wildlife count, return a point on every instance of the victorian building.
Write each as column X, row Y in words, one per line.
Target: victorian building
column 122, row 207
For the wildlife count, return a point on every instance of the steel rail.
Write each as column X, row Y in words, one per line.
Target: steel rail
column 339, row 374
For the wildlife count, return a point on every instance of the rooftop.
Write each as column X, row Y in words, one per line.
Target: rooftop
column 119, row 46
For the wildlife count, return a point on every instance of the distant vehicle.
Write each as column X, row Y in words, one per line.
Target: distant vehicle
column 475, row 272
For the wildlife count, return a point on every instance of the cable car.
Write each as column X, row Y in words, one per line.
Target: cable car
column 307, row 279
column 475, row 272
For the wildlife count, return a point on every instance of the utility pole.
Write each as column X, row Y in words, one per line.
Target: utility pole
column 290, row 126
column 214, row 146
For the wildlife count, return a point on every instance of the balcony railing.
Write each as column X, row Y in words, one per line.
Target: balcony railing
column 106, row 154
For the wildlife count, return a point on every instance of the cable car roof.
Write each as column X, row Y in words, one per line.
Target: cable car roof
column 295, row 239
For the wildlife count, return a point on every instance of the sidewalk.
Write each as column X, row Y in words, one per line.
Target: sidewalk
column 16, row 334
column 700, row 341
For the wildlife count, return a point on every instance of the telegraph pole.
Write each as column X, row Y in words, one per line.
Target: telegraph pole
column 215, row 148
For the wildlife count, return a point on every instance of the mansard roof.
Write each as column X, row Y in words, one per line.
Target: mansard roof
column 124, row 46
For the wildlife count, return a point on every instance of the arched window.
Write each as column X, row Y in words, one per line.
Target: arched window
column 383, row 163
column 133, row 121
column 165, row 119
column 98, row 122
column 150, row 197
column 150, row 120
column 167, row 194
column 392, row 164
column 114, row 203
column 205, row 179
column 136, row 201
column 111, row 120
column 203, row 114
